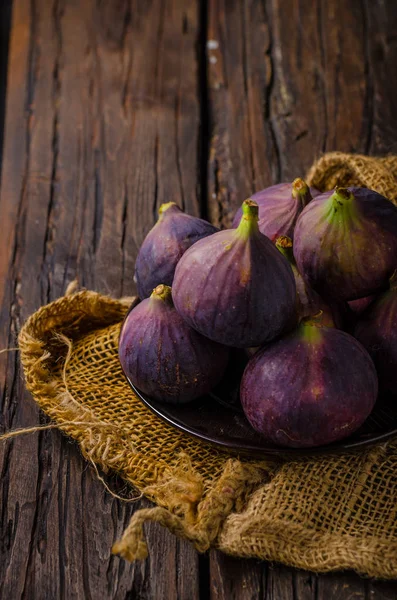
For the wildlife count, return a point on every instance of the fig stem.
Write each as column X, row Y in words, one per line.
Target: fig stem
column 162, row 292
column 285, row 246
column 393, row 281
column 310, row 328
column 249, row 221
column 342, row 195
column 342, row 207
column 301, row 191
column 315, row 319
column 166, row 206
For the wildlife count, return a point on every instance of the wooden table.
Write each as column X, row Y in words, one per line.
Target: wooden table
column 113, row 107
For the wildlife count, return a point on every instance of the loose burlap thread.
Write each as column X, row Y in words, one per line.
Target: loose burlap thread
column 322, row 513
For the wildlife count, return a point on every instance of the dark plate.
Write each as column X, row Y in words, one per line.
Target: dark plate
column 219, row 419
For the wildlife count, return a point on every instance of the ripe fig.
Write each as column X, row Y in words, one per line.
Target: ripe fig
column 164, row 245
column 361, row 304
column 377, row 332
column 235, row 287
column 345, row 243
column 312, row 387
column 163, row 356
column 279, row 207
column 308, row 301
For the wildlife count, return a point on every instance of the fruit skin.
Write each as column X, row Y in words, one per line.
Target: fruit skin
column 345, row 243
column 279, row 207
column 309, row 302
column 164, row 357
column 377, row 332
column 164, row 245
column 361, row 304
column 235, row 287
column 312, row 387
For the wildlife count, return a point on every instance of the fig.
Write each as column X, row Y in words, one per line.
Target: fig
column 279, row 207
column 164, row 357
column 377, row 332
column 171, row 236
column 314, row 386
column 308, row 301
column 235, row 287
column 345, row 243
column 361, row 304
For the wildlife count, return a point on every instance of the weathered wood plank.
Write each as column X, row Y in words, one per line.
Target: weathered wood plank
column 102, row 126
column 287, row 81
column 381, row 56
column 5, row 26
column 239, row 76
column 235, row 579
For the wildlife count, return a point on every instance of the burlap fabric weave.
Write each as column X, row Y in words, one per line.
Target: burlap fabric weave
column 322, row 513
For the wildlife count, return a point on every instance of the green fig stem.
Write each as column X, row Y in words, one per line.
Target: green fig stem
column 162, row 292
column 393, row 281
column 342, row 195
column 285, row 246
column 301, row 191
column 166, row 206
column 341, row 206
column 310, row 328
column 314, row 320
column 249, row 221
column 311, row 334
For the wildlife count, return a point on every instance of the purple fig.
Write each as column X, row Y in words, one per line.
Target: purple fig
column 164, row 357
column 312, row 387
column 164, row 245
column 345, row 243
column 235, row 287
column 308, row 301
column 377, row 332
column 279, row 207
column 361, row 304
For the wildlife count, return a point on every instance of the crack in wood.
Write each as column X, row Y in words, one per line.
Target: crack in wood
column 245, row 38
column 177, row 152
column 204, row 127
column 322, row 73
column 48, row 242
column 268, row 94
column 98, row 212
column 369, row 87
column 124, row 227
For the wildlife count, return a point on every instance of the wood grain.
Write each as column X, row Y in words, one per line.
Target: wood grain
column 114, row 107
column 5, row 26
column 98, row 134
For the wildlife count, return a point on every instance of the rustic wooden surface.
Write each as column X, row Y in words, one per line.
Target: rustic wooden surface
column 113, row 107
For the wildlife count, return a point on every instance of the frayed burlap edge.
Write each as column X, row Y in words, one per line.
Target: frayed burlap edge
column 184, row 508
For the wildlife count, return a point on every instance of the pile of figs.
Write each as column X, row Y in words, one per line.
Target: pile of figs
column 304, row 282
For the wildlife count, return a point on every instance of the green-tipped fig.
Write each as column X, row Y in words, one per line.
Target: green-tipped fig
column 279, row 207
column 234, row 287
column 345, row 243
column 164, row 357
column 164, row 245
column 312, row 387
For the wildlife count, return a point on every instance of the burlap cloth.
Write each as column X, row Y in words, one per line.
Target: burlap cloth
column 322, row 513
